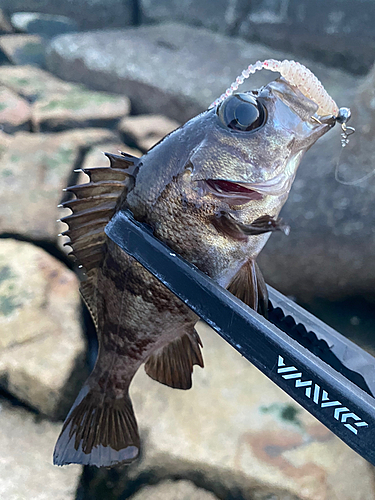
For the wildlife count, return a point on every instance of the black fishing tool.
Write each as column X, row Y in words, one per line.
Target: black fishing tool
column 330, row 376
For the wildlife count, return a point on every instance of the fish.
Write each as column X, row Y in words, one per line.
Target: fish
column 212, row 190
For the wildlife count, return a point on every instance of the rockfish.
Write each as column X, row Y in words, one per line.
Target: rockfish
column 212, row 190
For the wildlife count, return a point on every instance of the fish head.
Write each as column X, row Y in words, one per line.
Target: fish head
column 254, row 142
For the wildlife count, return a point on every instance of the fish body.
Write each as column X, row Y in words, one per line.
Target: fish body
column 212, row 190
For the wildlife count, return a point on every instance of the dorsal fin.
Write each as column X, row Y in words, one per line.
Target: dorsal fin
column 92, row 208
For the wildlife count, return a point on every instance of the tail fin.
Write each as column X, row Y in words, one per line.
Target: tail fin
column 98, row 432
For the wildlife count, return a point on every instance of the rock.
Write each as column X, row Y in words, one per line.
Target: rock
column 329, row 252
column 34, row 169
column 42, row 351
column 26, row 447
column 5, row 26
column 79, row 107
column 15, row 112
column 45, row 25
column 146, row 130
column 23, row 49
column 58, row 105
column 173, row 490
column 135, row 62
column 241, row 435
column 217, row 15
column 32, row 83
column 341, row 34
column 88, row 14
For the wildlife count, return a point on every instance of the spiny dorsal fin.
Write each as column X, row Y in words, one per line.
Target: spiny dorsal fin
column 172, row 365
column 92, row 208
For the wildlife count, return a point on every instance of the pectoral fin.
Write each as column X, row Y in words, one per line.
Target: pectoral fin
column 226, row 224
column 249, row 286
column 172, row 365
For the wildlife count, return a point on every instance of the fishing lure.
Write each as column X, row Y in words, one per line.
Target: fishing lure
column 301, row 77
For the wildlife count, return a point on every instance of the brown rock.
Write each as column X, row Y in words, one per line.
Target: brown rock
column 173, row 490
column 147, row 130
column 15, row 113
column 34, row 169
column 26, row 459
column 237, row 429
column 23, row 49
column 41, row 344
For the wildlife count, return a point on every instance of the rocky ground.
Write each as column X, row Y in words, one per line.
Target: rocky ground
column 235, row 435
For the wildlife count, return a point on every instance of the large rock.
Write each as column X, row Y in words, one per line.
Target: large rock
column 42, row 350
column 330, row 250
column 173, row 490
column 170, row 69
column 89, row 14
column 338, row 33
column 23, row 49
column 239, row 433
column 5, row 25
column 34, row 169
column 26, row 446
column 15, row 112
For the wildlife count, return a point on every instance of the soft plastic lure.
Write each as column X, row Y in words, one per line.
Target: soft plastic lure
column 301, row 77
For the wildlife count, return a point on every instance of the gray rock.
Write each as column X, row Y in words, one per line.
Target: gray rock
column 219, row 15
column 34, row 169
column 23, row 49
column 15, row 112
column 171, row 69
column 45, row 25
column 241, row 435
column 340, row 33
column 330, row 250
column 26, row 447
column 173, row 490
column 42, row 350
column 89, row 14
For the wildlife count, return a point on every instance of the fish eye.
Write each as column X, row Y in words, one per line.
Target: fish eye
column 242, row 112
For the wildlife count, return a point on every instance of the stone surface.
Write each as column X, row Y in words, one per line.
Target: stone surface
column 240, row 434
column 58, row 105
column 32, row 83
column 89, row 14
column 338, row 33
column 15, row 112
column 146, row 130
column 218, row 15
column 173, row 490
column 43, row 24
column 26, row 447
column 330, row 250
column 78, row 107
column 5, row 25
column 34, row 169
column 42, row 350
column 170, row 69
column 23, row 49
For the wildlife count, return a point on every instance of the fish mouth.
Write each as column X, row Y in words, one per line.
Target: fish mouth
column 239, row 193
